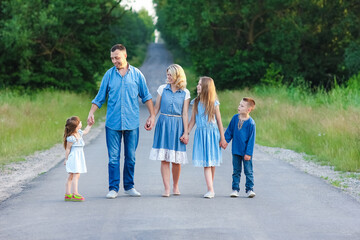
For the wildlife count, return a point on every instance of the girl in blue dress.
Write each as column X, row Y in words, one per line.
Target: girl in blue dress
column 74, row 157
column 171, row 134
column 209, row 133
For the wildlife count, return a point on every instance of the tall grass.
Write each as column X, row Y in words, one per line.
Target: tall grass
column 31, row 122
column 322, row 124
column 325, row 125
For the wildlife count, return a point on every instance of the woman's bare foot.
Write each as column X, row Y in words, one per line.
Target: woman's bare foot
column 176, row 191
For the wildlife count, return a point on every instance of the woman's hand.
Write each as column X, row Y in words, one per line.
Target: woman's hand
column 184, row 138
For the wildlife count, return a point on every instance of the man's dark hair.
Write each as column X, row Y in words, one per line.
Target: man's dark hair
column 118, row 47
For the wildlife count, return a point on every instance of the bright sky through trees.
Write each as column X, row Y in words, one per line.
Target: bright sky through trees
column 139, row 4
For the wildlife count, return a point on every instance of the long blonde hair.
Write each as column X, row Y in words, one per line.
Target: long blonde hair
column 70, row 127
column 207, row 97
column 178, row 74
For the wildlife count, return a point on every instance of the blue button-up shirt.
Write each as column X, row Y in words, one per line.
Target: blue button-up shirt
column 122, row 92
column 243, row 140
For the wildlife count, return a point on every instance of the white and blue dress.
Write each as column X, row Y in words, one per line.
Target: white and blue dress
column 76, row 159
column 206, row 148
column 170, row 127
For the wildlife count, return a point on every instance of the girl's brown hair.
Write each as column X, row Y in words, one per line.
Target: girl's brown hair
column 70, row 127
column 207, row 97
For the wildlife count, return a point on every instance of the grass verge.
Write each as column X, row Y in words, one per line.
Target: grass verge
column 32, row 122
column 324, row 125
column 329, row 132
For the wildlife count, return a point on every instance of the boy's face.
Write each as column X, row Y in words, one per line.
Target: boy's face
column 244, row 107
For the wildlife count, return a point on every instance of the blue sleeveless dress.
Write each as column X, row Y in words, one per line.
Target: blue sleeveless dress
column 169, row 128
column 206, row 148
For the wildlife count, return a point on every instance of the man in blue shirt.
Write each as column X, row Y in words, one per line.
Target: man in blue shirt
column 122, row 84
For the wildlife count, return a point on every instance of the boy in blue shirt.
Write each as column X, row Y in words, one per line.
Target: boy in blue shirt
column 242, row 131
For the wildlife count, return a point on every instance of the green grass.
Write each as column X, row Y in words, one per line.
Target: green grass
column 319, row 126
column 324, row 125
column 31, row 122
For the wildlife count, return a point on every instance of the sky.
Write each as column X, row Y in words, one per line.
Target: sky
column 138, row 4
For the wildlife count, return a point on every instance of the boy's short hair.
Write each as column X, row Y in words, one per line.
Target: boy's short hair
column 250, row 102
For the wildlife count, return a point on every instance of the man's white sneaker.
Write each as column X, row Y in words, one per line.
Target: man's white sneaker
column 234, row 193
column 251, row 194
column 133, row 193
column 112, row 194
column 209, row 195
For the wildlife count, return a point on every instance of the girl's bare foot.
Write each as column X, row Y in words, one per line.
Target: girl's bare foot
column 166, row 194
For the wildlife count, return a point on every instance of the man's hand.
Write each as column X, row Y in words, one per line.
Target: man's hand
column 247, row 158
column 91, row 119
column 150, row 122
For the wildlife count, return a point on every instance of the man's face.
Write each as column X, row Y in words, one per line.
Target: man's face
column 243, row 107
column 118, row 58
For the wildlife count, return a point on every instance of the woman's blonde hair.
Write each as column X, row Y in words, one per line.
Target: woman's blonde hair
column 178, row 74
column 70, row 127
column 207, row 97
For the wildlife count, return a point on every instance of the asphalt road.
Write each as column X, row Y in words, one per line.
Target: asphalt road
column 289, row 204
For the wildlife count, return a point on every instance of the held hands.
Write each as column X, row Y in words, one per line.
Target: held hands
column 247, row 157
column 185, row 138
column 91, row 119
column 149, row 123
column 223, row 144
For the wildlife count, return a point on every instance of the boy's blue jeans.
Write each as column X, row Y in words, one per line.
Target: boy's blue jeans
column 238, row 161
column 113, row 142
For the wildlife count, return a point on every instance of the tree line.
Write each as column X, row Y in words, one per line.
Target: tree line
column 240, row 43
column 64, row 44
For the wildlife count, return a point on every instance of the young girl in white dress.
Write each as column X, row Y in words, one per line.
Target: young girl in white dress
column 171, row 133
column 209, row 134
column 74, row 157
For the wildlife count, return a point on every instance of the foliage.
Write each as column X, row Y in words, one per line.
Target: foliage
column 235, row 42
column 322, row 124
column 352, row 56
column 35, row 121
column 63, row 43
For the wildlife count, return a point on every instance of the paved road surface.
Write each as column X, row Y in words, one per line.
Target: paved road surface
column 289, row 204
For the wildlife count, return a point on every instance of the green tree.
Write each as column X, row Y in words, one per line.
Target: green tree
column 63, row 43
column 236, row 41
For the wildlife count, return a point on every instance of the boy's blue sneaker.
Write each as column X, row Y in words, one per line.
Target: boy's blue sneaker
column 234, row 193
column 250, row 193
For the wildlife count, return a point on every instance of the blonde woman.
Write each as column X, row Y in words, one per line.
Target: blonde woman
column 171, row 131
column 209, row 133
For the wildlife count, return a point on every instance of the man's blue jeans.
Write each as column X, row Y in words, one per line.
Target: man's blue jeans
column 113, row 142
column 238, row 161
